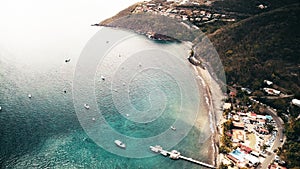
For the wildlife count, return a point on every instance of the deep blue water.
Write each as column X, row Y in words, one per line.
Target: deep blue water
column 44, row 131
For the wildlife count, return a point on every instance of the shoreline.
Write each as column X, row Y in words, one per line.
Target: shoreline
column 213, row 99
column 213, row 102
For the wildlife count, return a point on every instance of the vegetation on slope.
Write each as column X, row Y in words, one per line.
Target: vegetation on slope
column 265, row 46
column 249, row 7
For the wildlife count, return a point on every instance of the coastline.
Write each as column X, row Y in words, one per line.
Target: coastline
column 213, row 96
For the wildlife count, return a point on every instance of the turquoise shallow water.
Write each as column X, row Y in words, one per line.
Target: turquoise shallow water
column 44, row 131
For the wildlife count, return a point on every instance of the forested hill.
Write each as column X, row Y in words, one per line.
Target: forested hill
column 264, row 46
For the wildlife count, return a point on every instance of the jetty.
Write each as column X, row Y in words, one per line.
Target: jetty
column 175, row 155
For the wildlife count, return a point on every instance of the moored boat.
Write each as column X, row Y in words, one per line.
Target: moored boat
column 173, row 128
column 86, row 106
column 120, row 144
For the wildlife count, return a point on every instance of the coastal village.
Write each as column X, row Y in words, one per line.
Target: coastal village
column 183, row 10
column 251, row 133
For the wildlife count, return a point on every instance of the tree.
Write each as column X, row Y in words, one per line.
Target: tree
column 270, row 128
column 228, row 125
column 264, row 147
column 258, row 93
column 223, row 166
column 280, row 104
column 256, row 84
column 224, row 150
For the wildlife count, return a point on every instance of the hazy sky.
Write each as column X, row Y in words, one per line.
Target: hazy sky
column 31, row 28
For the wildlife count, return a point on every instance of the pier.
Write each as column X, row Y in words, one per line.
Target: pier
column 175, row 155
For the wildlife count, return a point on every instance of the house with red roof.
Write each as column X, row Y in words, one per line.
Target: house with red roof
column 245, row 149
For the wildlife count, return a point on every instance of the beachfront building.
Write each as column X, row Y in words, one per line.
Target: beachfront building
column 227, row 106
column 238, row 125
column 242, row 159
column 236, row 156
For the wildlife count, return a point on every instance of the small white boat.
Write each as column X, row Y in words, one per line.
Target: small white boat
column 86, row 106
column 173, row 128
column 29, row 96
column 127, row 115
column 0, row 108
column 93, row 119
column 102, row 77
column 120, row 144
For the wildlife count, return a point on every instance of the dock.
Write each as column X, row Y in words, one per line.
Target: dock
column 175, row 155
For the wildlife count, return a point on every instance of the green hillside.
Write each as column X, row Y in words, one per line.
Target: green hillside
column 265, row 46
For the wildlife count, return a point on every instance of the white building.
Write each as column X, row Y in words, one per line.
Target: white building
column 268, row 82
column 296, row 102
column 271, row 91
column 226, row 106
column 252, row 159
column 261, row 6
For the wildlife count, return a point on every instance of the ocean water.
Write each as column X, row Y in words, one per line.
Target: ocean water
column 48, row 130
